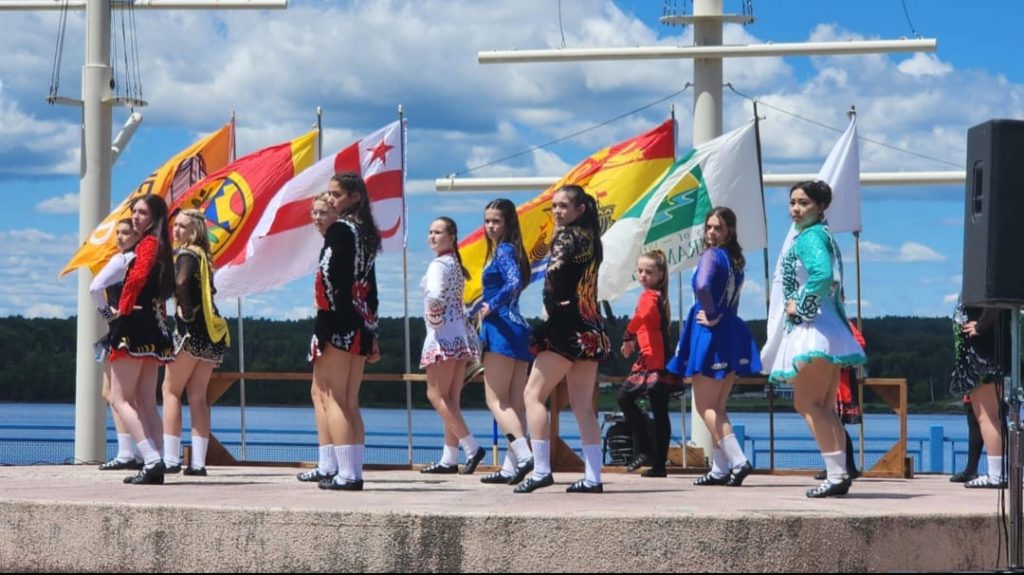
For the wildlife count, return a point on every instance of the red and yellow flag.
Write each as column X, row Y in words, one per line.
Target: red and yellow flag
column 616, row 175
column 178, row 174
column 234, row 197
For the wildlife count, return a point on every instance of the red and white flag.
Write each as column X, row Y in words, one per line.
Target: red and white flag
column 285, row 246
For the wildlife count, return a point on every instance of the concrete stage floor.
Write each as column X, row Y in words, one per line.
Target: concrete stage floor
column 76, row 518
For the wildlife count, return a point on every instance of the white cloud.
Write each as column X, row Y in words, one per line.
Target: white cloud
column 921, row 64
column 47, row 310
column 66, row 204
column 950, row 298
column 907, row 253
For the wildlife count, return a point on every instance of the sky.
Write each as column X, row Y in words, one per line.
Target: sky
column 359, row 60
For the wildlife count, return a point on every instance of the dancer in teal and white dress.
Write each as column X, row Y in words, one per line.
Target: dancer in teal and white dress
column 809, row 338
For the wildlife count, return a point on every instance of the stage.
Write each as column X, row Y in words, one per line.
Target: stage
column 76, row 518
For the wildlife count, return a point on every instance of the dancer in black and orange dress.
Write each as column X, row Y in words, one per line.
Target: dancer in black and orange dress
column 571, row 341
column 345, row 335
column 140, row 339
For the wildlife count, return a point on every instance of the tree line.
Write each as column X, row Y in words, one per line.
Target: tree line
column 37, row 358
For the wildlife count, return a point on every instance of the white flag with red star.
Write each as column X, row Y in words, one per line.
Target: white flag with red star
column 285, row 246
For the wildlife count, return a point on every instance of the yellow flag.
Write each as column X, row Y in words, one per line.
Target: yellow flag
column 616, row 176
column 174, row 177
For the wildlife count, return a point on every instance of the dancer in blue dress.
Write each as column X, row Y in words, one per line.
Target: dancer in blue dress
column 505, row 336
column 809, row 337
column 716, row 344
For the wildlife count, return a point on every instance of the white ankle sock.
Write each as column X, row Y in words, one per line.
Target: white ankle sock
column 835, row 465
column 172, row 450
column 733, row 451
column 450, row 455
column 359, row 457
column 719, row 463
column 345, row 454
column 541, row 457
column 199, row 447
column 469, row 445
column 995, row 468
column 150, row 456
column 521, row 449
column 326, row 463
column 125, row 445
column 508, row 467
column 592, row 465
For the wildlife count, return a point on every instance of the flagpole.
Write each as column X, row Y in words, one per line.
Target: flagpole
column 852, row 114
column 767, row 287
column 405, row 285
column 679, row 307
column 241, row 338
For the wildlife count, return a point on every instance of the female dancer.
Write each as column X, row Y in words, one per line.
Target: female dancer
column 978, row 373
column 106, row 292
column 716, row 344
column 345, row 335
column 809, row 339
column 648, row 377
column 140, row 339
column 448, row 346
column 572, row 339
column 323, row 215
column 200, row 337
column 505, row 336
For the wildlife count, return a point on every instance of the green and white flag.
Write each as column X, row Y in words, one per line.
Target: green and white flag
column 670, row 215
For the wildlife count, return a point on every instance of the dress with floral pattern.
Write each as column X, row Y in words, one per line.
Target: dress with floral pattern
column 346, row 292
column 574, row 328
column 448, row 333
column 504, row 331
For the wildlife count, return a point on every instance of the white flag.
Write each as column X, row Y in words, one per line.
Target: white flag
column 841, row 171
column 285, row 246
column 670, row 215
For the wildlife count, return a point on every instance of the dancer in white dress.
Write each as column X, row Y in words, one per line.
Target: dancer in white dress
column 448, row 346
column 809, row 338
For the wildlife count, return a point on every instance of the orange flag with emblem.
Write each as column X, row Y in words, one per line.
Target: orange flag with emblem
column 234, row 198
column 169, row 180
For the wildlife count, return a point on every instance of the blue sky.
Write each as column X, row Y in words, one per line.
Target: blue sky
column 359, row 60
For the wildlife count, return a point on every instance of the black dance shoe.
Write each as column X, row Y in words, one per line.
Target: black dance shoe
column 829, row 489
column 117, row 465
column 173, row 469
column 962, row 477
column 708, row 479
column 654, row 472
column 638, row 462
column 533, row 483
column 473, row 461
column 582, row 487
column 198, row 471
column 350, row 485
column 496, row 477
column 313, row 475
column 440, row 468
column 983, row 482
column 522, row 470
column 821, row 475
column 736, row 476
column 148, row 475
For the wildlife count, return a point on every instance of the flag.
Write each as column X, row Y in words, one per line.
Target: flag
column 842, row 172
column 616, row 175
column 234, row 198
column 285, row 246
column 179, row 173
column 670, row 215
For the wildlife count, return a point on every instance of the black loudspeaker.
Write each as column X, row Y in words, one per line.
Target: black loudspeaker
column 994, row 215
